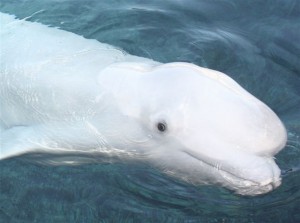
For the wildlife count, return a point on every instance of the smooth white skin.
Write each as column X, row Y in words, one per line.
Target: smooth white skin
column 62, row 93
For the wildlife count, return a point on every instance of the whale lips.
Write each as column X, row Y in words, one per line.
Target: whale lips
column 257, row 176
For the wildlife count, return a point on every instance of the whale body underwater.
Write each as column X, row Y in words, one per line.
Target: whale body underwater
column 62, row 93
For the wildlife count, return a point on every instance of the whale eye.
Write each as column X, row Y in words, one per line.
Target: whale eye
column 161, row 126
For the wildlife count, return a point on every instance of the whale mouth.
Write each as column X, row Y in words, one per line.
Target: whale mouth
column 249, row 187
column 240, row 183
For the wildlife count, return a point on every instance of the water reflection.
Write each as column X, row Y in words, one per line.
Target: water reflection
column 255, row 42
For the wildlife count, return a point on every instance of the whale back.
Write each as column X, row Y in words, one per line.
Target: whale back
column 54, row 46
column 39, row 60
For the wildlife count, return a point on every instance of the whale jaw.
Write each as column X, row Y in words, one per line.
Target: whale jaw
column 252, row 176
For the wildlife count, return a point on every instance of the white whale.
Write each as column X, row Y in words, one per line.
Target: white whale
column 63, row 93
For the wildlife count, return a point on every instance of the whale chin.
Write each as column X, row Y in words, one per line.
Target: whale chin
column 249, row 187
column 253, row 176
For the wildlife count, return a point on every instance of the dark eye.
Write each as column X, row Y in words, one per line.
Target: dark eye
column 162, row 127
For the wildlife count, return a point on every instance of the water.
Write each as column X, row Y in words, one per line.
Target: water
column 255, row 42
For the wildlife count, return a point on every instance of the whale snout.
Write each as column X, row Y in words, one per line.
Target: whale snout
column 254, row 178
column 253, row 189
column 244, row 173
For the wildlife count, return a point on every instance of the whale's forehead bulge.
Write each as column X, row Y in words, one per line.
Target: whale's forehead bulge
column 210, row 104
column 211, row 122
column 196, row 101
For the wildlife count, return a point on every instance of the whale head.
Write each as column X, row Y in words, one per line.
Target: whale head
column 198, row 125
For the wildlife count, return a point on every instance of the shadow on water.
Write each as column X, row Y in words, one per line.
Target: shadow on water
column 254, row 41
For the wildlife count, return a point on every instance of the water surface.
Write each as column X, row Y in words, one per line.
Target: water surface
column 254, row 42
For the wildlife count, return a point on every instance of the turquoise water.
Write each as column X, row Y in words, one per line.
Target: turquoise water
column 255, row 42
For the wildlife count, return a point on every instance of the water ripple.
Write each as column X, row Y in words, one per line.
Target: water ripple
column 255, row 42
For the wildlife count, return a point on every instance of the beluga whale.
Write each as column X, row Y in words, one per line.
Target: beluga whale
column 61, row 93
